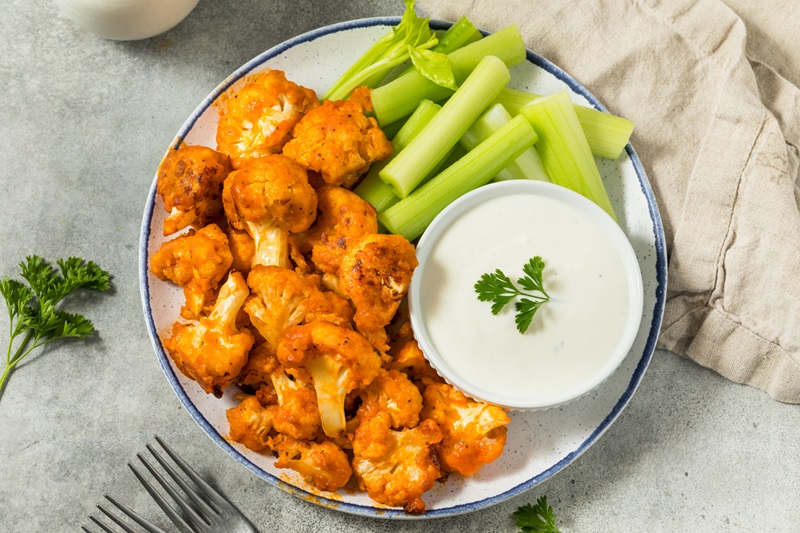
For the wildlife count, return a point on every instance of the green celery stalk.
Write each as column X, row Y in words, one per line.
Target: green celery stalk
column 372, row 188
column 528, row 166
column 606, row 134
column 410, row 216
column 385, row 54
column 392, row 129
column 399, row 97
column 564, row 149
column 461, row 33
column 408, row 168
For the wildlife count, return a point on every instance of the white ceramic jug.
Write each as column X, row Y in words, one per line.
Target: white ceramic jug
column 126, row 20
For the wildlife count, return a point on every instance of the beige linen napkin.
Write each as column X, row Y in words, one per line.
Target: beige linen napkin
column 717, row 129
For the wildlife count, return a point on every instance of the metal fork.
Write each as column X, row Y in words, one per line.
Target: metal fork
column 204, row 509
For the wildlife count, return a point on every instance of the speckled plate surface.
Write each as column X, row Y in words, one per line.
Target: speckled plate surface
column 540, row 443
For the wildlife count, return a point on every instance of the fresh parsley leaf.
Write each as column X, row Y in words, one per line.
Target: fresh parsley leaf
column 532, row 280
column 498, row 288
column 537, row 518
column 32, row 309
column 526, row 309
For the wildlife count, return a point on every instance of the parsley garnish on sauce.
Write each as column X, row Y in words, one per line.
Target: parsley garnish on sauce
column 500, row 290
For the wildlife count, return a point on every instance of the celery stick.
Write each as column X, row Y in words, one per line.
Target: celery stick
column 410, row 216
column 506, row 44
column 406, row 170
column 385, row 54
column 527, row 166
column 514, row 100
column 376, row 191
column 390, row 130
column 461, row 33
column 400, row 97
column 372, row 188
column 607, row 134
column 563, row 148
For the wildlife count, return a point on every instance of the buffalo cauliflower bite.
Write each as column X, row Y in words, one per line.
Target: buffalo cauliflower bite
column 256, row 117
column 474, row 432
column 396, row 467
column 279, row 299
column 339, row 141
column 261, row 362
column 243, row 249
column 343, row 218
column 410, row 360
column 393, row 393
column 197, row 261
column 268, row 197
column 212, row 351
column 296, row 414
column 330, row 307
column 380, row 340
column 375, row 273
column 250, row 423
column 339, row 361
column 190, row 184
column 324, row 464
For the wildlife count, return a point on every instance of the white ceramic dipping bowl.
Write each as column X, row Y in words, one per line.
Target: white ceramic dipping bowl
column 126, row 20
column 576, row 341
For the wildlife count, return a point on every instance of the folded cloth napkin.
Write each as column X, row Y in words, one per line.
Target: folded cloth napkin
column 710, row 87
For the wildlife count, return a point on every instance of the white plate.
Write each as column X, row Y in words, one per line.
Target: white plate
column 539, row 443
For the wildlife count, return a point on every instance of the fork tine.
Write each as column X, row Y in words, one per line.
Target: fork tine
column 194, row 516
column 133, row 515
column 199, row 502
column 166, row 507
column 125, row 527
column 86, row 529
column 100, row 524
column 207, row 489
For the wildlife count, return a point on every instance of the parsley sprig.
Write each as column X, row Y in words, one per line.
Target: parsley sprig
column 498, row 288
column 537, row 518
column 34, row 319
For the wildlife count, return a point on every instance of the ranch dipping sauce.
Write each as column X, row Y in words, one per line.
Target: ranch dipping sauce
column 569, row 346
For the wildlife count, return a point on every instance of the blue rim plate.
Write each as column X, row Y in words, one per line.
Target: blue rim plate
column 541, row 443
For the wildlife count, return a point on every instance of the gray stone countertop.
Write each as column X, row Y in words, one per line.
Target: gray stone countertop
column 83, row 124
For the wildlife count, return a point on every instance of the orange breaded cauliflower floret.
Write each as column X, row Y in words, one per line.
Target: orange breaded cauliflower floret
column 393, row 393
column 396, row 467
column 330, row 307
column 339, row 361
column 279, row 300
column 343, row 219
column 410, row 360
column 261, row 362
column 324, row 465
column 339, row 141
column 474, row 432
column 212, row 351
column 256, row 118
column 243, row 249
column 268, row 197
column 250, row 423
column 197, row 261
column 375, row 273
column 190, row 184
column 296, row 414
